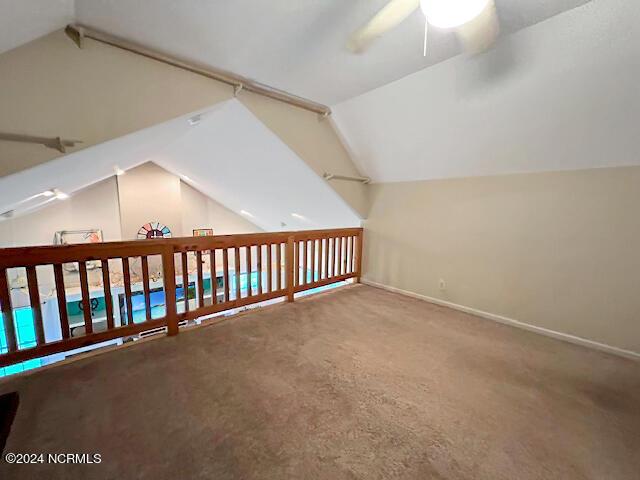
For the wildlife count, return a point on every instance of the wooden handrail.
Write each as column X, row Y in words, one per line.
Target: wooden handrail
column 304, row 260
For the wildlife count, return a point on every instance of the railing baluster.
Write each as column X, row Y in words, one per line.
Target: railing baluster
column 279, row 268
column 326, row 257
column 327, row 251
column 320, row 257
column 305, row 278
column 169, row 281
column 62, row 300
column 334, row 258
column 214, row 276
column 313, row 261
column 7, row 312
column 34, row 300
column 225, row 273
column 247, row 250
column 145, row 287
column 269, row 268
column 200, row 279
column 289, row 268
column 359, row 257
column 297, row 261
column 108, row 299
column 345, row 258
column 126, row 273
column 259, row 267
column 237, row 266
column 86, row 300
column 339, row 257
column 345, row 254
column 353, row 254
column 184, row 260
column 338, row 271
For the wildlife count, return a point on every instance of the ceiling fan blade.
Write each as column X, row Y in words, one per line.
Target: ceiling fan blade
column 392, row 14
column 479, row 34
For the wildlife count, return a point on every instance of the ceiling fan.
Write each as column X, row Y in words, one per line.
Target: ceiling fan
column 474, row 21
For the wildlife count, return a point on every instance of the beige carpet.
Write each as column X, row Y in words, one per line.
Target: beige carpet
column 356, row 383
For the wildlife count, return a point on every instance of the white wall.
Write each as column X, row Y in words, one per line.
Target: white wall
column 229, row 155
column 98, row 93
column 560, row 95
column 233, row 157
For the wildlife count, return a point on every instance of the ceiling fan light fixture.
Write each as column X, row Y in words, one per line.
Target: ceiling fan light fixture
column 451, row 13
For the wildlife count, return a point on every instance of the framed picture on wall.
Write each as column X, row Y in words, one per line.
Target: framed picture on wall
column 203, row 232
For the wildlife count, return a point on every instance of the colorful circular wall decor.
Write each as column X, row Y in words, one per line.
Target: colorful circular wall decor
column 154, row 230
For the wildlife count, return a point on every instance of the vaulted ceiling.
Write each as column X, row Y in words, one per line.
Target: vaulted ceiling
column 225, row 152
column 298, row 46
column 24, row 20
column 558, row 91
column 560, row 95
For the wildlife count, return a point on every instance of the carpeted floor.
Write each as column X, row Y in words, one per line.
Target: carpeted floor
column 356, row 383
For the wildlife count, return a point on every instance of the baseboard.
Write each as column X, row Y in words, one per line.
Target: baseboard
column 515, row 323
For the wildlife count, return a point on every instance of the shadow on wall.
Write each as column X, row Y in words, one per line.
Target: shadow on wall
column 388, row 258
column 488, row 71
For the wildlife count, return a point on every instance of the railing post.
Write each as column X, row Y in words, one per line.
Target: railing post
column 169, row 280
column 7, row 311
column 359, row 256
column 289, row 268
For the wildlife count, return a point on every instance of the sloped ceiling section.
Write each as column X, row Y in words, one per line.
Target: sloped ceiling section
column 295, row 45
column 24, row 20
column 560, row 95
column 225, row 152
column 298, row 46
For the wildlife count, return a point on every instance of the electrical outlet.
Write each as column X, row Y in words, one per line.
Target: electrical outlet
column 442, row 284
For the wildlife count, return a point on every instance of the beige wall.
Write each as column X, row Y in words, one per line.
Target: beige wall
column 171, row 201
column 149, row 193
column 94, row 207
column 200, row 211
column 556, row 250
column 145, row 193
column 50, row 87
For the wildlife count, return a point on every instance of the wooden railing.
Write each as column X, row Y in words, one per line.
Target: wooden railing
column 282, row 264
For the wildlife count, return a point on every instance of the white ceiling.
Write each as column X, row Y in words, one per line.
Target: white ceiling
column 24, row 20
column 563, row 94
column 230, row 156
column 295, row 45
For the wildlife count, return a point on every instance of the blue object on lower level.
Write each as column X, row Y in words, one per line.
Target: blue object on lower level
column 138, row 307
column 25, row 338
column 26, row 334
column 323, row 288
